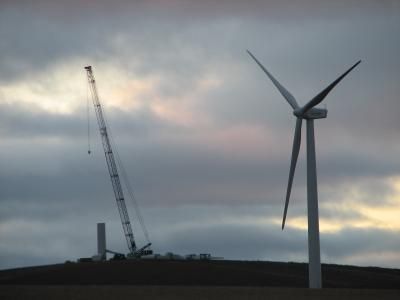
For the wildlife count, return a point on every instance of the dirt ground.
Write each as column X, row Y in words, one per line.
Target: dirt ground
column 17, row 292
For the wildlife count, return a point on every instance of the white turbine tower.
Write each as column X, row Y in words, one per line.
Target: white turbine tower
column 308, row 112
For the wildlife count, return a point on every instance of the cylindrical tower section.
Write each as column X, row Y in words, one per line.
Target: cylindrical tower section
column 101, row 241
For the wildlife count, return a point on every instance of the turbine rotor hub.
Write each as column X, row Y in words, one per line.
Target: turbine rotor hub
column 312, row 113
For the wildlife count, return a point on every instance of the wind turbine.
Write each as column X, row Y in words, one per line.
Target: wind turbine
column 308, row 112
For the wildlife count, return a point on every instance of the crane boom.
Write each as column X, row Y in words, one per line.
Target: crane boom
column 112, row 169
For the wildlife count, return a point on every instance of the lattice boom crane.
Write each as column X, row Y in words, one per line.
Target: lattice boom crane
column 113, row 171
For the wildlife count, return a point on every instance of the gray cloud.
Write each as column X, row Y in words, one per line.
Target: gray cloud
column 219, row 230
column 353, row 242
column 190, row 183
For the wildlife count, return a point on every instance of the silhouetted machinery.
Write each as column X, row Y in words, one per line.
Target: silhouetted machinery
column 134, row 252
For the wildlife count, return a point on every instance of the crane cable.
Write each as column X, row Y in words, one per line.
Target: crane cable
column 129, row 189
column 120, row 166
column 88, row 117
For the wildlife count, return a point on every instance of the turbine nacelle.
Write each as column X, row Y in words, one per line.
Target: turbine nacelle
column 312, row 113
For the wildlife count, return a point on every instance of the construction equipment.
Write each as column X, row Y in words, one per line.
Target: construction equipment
column 134, row 252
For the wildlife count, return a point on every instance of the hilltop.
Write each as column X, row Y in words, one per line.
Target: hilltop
column 200, row 273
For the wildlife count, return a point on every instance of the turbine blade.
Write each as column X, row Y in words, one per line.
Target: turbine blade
column 295, row 155
column 321, row 96
column 285, row 93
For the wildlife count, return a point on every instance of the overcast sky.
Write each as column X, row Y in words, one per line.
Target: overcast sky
column 203, row 134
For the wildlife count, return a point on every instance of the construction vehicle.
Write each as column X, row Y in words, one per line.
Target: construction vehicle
column 134, row 252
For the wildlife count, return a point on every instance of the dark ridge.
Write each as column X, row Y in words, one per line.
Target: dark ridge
column 201, row 273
